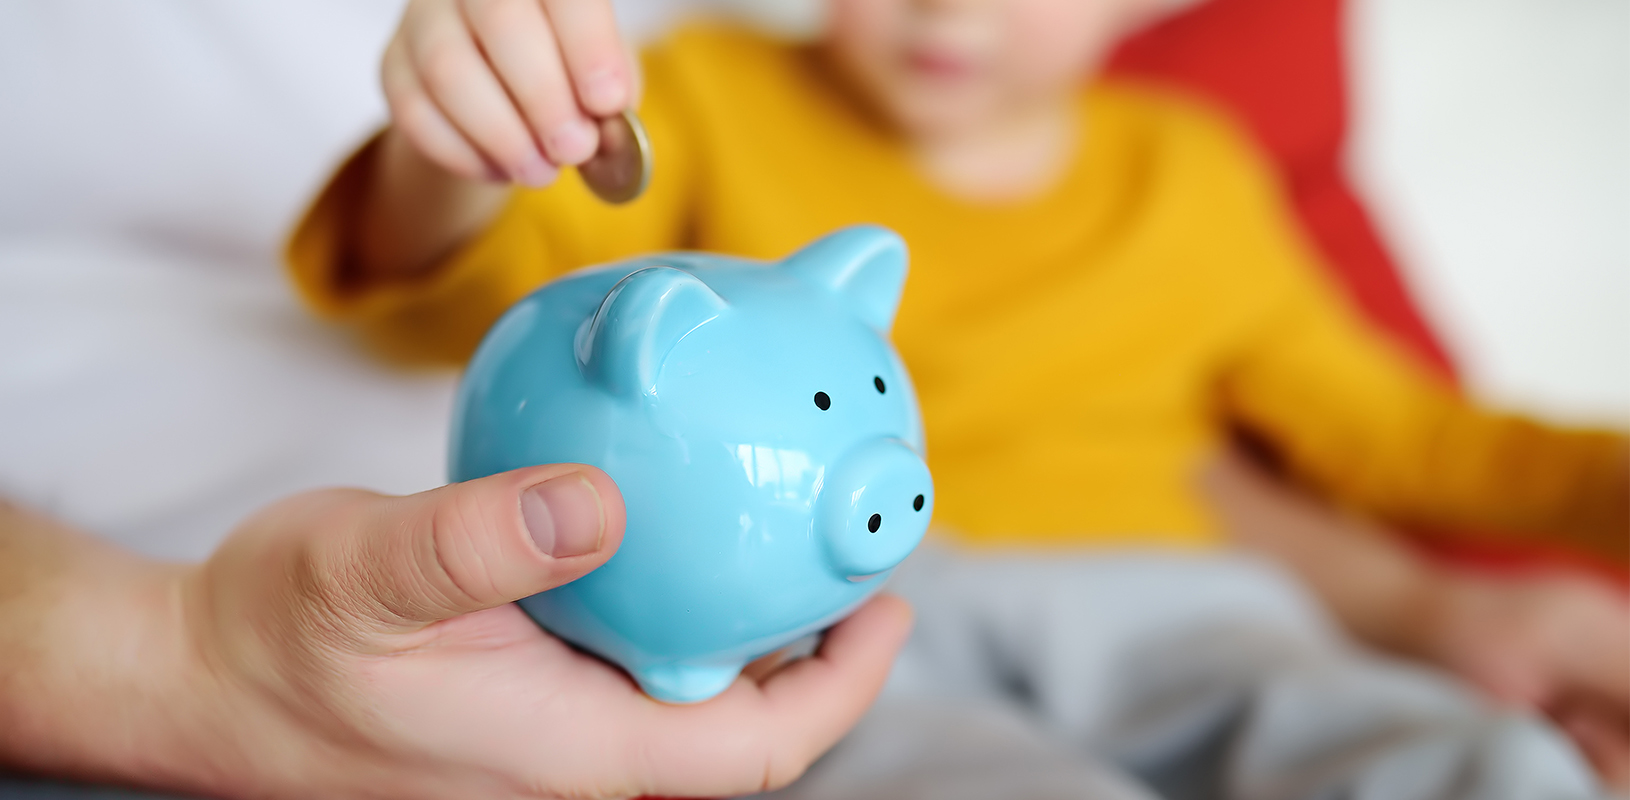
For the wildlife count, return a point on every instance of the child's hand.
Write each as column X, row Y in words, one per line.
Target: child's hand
column 506, row 89
column 1556, row 643
column 344, row 644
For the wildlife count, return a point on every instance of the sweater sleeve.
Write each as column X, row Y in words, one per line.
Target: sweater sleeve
column 538, row 235
column 1359, row 418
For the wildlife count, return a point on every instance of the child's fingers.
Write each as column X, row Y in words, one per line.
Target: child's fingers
column 1592, row 637
column 413, row 113
column 522, row 49
column 458, row 79
column 1604, row 737
column 594, row 54
column 1607, row 670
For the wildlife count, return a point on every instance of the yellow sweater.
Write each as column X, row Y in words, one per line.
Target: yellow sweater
column 1077, row 354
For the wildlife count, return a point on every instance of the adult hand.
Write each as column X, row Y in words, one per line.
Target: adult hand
column 342, row 644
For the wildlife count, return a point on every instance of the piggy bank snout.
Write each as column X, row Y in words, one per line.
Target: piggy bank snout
column 873, row 507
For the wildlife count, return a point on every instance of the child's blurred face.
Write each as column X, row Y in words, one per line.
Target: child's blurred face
column 938, row 66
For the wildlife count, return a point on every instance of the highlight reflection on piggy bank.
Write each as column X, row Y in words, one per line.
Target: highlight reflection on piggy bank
column 764, row 434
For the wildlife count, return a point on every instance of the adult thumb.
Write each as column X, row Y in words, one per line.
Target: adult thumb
column 479, row 544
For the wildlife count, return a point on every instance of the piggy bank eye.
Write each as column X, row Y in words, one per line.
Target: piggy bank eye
column 878, row 382
column 822, row 402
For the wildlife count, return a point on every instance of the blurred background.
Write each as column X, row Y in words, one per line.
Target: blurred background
column 158, row 380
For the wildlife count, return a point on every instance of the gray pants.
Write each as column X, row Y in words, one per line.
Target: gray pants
column 1131, row 676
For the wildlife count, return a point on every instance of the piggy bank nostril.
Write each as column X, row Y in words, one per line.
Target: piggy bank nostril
column 917, row 504
column 875, row 479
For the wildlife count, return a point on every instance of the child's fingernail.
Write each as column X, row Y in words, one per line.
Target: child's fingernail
column 571, row 142
column 604, row 91
column 564, row 516
column 535, row 172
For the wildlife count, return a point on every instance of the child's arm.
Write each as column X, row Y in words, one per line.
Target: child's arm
column 432, row 229
column 1354, row 415
column 412, row 213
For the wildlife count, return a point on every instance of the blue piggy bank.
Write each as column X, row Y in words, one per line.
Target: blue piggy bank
column 763, row 432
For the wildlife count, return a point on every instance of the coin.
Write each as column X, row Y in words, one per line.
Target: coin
column 619, row 171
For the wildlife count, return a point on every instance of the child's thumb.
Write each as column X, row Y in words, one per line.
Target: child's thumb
column 482, row 543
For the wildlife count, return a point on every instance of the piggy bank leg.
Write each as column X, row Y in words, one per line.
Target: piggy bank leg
column 687, row 683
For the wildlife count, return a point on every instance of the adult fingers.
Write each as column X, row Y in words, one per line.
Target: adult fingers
column 522, row 49
column 763, row 667
column 595, row 55
column 456, row 76
column 753, row 738
column 474, row 545
column 849, row 670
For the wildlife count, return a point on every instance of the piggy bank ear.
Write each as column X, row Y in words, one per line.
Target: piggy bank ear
column 865, row 265
column 623, row 345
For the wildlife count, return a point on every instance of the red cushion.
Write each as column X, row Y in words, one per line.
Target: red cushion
column 1279, row 67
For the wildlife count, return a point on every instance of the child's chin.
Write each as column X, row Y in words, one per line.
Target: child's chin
column 941, row 113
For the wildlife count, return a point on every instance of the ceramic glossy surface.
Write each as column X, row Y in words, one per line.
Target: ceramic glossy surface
column 763, row 432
